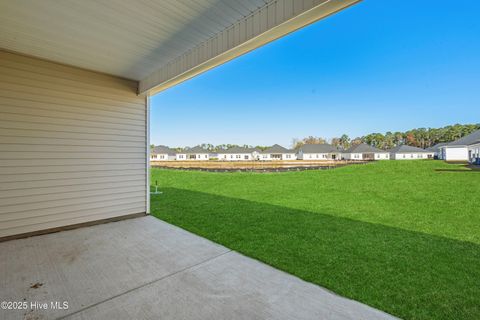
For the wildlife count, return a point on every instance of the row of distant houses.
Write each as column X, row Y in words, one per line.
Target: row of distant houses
column 314, row 152
column 276, row 152
column 465, row 149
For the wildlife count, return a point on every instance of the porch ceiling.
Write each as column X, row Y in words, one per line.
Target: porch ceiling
column 124, row 38
column 156, row 42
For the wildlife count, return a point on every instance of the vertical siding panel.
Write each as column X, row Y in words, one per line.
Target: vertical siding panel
column 263, row 20
column 236, row 29
column 297, row 6
column 256, row 24
column 307, row 4
column 224, row 41
column 280, row 14
column 271, row 15
column 243, row 31
column 289, row 9
column 249, row 22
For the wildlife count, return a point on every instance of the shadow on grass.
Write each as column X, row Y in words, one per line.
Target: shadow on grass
column 458, row 170
column 409, row 274
column 465, row 168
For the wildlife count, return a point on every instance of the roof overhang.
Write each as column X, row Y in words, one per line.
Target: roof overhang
column 158, row 43
column 262, row 26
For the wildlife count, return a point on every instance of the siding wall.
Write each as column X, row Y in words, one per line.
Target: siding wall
column 315, row 156
column 456, row 154
column 285, row 156
column 72, row 146
column 382, row 156
column 235, row 156
column 410, row 156
column 161, row 157
column 289, row 156
column 353, row 156
column 198, row 157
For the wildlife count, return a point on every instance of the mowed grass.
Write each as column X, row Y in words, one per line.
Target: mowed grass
column 401, row 236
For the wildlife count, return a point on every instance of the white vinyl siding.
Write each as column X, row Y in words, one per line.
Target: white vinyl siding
column 382, row 156
column 456, row 153
column 318, row 156
column 194, row 157
column 278, row 156
column 235, row 157
column 411, row 156
column 352, row 156
column 72, row 146
column 161, row 157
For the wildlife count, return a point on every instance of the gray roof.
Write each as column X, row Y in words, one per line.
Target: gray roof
column 318, row 148
column 436, row 148
column 193, row 150
column 364, row 148
column 238, row 150
column 163, row 150
column 407, row 149
column 276, row 149
column 472, row 138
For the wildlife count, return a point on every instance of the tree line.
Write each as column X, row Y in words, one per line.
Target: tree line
column 216, row 148
column 419, row 137
column 220, row 147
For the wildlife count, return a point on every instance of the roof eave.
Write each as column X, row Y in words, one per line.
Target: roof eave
column 266, row 24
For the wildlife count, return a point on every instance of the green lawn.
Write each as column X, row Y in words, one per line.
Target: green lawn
column 401, row 236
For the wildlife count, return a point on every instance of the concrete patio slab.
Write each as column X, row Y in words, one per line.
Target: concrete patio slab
column 147, row 269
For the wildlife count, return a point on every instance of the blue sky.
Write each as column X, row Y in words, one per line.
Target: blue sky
column 375, row 67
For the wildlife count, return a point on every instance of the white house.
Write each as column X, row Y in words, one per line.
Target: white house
column 437, row 149
column 454, row 153
column 194, row 154
column 162, row 153
column 404, row 152
column 364, row 151
column 459, row 150
column 238, row 154
column 277, row 152
column 318, row 152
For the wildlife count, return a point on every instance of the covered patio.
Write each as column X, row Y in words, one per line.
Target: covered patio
column 144, row 268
